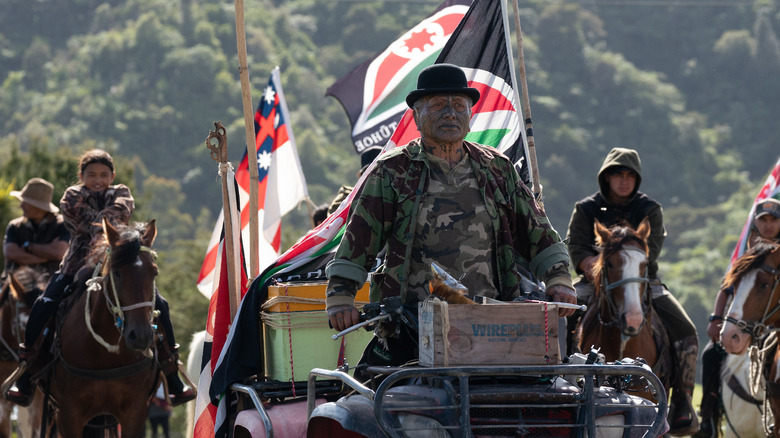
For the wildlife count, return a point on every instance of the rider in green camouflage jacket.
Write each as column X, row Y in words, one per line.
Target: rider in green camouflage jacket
column 440, row 198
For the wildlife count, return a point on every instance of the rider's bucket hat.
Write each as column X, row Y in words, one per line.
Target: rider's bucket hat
column 38, row 193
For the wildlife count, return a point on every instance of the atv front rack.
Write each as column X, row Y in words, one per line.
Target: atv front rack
column 544, row 400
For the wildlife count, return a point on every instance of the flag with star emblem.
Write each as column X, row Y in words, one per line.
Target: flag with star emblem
column 373, row 93
column 281, row 182
column 281, row 187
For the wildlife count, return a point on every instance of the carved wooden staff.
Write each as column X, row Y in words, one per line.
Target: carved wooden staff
column 219, row 154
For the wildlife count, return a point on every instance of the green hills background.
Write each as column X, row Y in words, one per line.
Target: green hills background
column 691, row 84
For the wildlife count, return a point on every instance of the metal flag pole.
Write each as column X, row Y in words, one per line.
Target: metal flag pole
column 251, row 148
column 219, row 154
column 534, row 168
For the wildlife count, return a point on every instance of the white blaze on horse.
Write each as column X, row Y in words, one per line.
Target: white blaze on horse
column 753, row 319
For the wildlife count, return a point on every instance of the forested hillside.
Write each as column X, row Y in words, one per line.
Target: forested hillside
column 690, row 84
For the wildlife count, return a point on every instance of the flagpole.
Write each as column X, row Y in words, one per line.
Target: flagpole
column 219, row 154
column 534, row 168
column 251, row 148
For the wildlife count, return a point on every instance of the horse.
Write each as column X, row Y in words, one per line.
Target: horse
column 620, row 319
column 19, row 291
column 105, row 368
column 194, row 361
column 753, row 317
column 743, row 400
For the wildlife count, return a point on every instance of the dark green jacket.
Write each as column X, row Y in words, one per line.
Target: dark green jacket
column 581, row 237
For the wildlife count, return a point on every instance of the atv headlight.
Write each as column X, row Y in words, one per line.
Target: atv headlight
column 417, row 426
column 609, row 426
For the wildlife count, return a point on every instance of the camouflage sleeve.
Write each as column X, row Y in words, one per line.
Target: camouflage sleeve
column 340, row 291
column 79, row 210
column 119, row 205
column 558, row 275
column 370, row 222
column 535, row 237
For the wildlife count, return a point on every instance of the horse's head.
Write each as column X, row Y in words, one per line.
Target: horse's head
column 24, row 286
column 755, row 279
column 131, row 269
column 621, row 276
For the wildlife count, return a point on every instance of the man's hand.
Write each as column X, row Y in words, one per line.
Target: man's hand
column 343, row 317
column 564, row 295
column 587, row 267
column 713, row 330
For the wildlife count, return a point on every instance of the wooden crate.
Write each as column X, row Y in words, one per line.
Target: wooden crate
column 297, row 336
column 488, row 334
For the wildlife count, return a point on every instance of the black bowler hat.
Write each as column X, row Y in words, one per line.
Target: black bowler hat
column 441, row 79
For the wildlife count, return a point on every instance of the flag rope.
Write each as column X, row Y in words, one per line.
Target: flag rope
column 289, row 335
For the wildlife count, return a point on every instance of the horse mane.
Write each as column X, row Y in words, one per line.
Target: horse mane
column 620, row 235
column 125, row 250
column 752, row 259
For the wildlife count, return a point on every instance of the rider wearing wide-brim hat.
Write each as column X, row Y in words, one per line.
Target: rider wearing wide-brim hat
column 39, row 237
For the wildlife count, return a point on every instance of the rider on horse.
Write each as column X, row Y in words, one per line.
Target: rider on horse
column 766, row 225
column 84, row 205
column 619, row 201
column 39, row 237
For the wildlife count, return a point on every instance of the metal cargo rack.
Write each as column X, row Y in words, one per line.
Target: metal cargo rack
column 542, row 400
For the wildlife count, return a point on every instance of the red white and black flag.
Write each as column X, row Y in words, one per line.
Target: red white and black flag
column 480, row 45
column 373, row 93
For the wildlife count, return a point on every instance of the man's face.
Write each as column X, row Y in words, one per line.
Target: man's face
column 443, row 118
column 768, row 226
column 31, row 212
column 622, row 183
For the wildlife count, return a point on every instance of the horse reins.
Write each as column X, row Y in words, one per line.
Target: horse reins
column 757, row 329
column 96, row 283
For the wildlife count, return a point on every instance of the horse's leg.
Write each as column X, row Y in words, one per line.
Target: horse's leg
column 70, row 424
column 5, row 418
column 133, row 421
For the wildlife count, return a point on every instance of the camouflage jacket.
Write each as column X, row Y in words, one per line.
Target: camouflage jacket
column 385, row 210
column 84, row 211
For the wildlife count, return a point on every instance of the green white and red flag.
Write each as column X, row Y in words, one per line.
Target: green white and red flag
column 373, row 93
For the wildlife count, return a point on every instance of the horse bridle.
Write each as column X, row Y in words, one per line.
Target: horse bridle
column 757, row 329
column 97, row 283
column 608, row 287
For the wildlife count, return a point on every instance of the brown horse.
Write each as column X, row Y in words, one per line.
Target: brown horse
column 620, row 317
column 106, row 365
column 19, row 292
column 754, row 314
